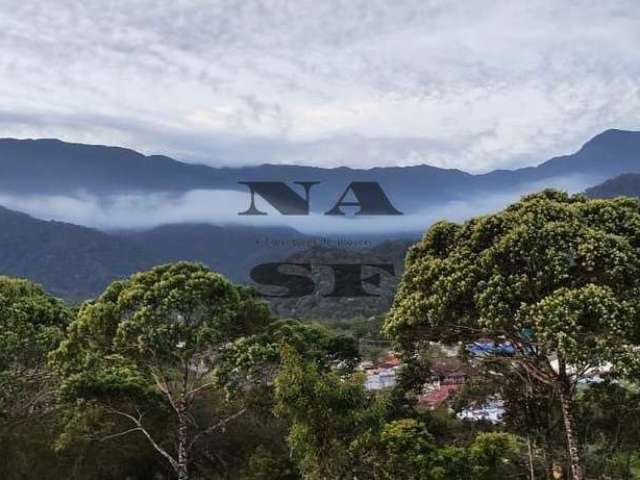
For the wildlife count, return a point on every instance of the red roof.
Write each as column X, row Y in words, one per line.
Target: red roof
column 437, row 397
column 389, row 361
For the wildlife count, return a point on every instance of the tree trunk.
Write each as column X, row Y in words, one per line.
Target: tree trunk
column 532, row 470
column 183, row 447
column 570, row 431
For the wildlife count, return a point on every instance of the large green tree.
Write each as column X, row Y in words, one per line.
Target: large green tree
column 157, row 339
column 555, row 276
column 32, row 323
column 327, row 411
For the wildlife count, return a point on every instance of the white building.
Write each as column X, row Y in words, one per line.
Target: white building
column 380, row 379
column 491, row 411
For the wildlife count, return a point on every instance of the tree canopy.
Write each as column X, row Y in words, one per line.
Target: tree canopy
column 555, row 276
column 32, row 323
column 158, row 336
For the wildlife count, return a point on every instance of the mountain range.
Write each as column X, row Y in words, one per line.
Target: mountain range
column 77, row 262
column 53, row 167
column 627, row 184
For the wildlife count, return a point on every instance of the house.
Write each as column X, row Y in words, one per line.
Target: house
column 436, row 397
column 491, row 411
column 381, row 379
column 489, row 347
column 383, row 374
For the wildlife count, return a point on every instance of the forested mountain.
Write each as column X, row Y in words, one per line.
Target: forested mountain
column 627, row 184
column 325, row 302
column 53, row 167
column 230, row 249
column 75, row 262
column 70, row 261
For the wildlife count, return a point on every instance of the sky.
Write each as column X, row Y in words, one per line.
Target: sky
column 474, row 85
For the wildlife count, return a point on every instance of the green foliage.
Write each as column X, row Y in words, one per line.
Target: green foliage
column 553, row 275
column 608, row 415
column 163, row 319
column 326, row 411
column 31, row 324
column 492, row 455
column 267, row 465
column 557, row 277
column 512, row 274
column 156, row 341
column 405, row 450
column 313, row 340
column 256, row 357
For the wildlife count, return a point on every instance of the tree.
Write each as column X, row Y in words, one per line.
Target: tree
column 158, row 338
column 327, row 412
column 32, row 324
column 530, row 408
column 404, row 449
column 557, row 277
column 608, row 417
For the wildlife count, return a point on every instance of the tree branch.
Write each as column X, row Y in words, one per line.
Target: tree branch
column 139, row 427
column 220, row 424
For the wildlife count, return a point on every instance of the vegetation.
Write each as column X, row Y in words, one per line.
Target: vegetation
column 555, row 277
column 177, row 373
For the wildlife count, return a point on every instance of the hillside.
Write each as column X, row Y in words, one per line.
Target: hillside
column 53, row 167
column 230, row 249
column 76, row 262
column 320, row 305
column 627, row 185
column 70, row 261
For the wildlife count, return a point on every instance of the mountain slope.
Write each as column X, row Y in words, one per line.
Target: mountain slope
column 321, row 305
column 68, row 260
column 50, row 166
column 608, row 154
column 232, row 249
column 54, row 167
column 627, row 184
column 76, row 263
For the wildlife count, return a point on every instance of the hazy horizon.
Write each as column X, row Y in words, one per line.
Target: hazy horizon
column 357, row 83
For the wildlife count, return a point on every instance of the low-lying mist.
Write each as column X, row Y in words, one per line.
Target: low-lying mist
column 221, row 207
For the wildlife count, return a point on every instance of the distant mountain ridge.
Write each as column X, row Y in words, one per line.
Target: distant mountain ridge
column 42, row 167
column 50, row 166
column 627, row 184
column 70, row 261
column 77, row 262
column 231, row 249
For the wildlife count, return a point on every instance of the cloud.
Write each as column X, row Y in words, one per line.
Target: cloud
column 470, row 85
column 221, row 207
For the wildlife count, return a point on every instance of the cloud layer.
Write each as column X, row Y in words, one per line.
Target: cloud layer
column 471, row 85
column 221, row 207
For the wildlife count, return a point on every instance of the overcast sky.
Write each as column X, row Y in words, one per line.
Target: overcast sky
column 462, row 84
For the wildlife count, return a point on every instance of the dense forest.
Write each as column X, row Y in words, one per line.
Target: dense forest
column 176, row 372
